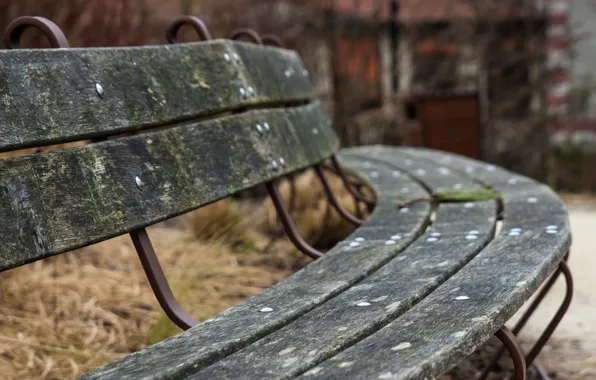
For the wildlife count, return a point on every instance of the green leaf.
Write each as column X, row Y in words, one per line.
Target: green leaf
column 467, row 195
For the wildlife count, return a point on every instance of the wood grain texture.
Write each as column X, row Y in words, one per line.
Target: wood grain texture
column 467, row 309
column 375, row 301
column 58, row 201
column 49, row 95
column 434, row 177
column 323, row 279
column 430, row 302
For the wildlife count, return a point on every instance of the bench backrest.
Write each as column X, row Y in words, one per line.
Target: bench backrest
column 174, row 128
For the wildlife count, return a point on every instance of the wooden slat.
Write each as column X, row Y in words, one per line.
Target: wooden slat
column 243, row 324
column 467, row 309
column 435, row 177
column 386, row 294
column 492, row 175
column 50, row 96
column 58, row 201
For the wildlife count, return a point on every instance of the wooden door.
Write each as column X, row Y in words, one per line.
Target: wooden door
column 452, row 124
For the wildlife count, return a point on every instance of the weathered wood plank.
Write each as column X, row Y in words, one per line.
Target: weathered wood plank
column 58, row 201
column 455, row 330
column 475, row 302
column 435, row 177
column 243, row 324
column 50, row 95
column 489, row 174
column 370, row 304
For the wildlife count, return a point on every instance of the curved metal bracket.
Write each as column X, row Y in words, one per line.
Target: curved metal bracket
column 356, row 194
column 546, row 334
column 246, row 32
column 515, row 350
column 196, row 23
column 333, row 199
column 158, row 281
column 14, row 31
column 288, row 224
column 272, row 40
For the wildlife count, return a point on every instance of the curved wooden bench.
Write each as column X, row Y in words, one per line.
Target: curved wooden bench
column 173, row 128
column 469, row 307
column 241, row 325
column 417, row 316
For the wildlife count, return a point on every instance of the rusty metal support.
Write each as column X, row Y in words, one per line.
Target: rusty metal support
column 359, row 213
column 541, row 371
column 370, row 205
column 272, row 40
column 538, row 300
column 14, row 31
column 333, row 199
column 288, row 224
column 292, row 206
column 550, row 329
column 293, row 191
column 326, row 219
column 196, row 23
column 246, row 32
column 356, row 194
column 349, row 181
column 158, row 281
column 515, row 350
column 531, row 356
column 354, row 183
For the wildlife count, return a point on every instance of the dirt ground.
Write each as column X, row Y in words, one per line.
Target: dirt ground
column 571, row 353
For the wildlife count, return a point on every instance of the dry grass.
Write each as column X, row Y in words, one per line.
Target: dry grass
column 317, row 222
column 64, row 316
column 67, row 315
column 223, row 221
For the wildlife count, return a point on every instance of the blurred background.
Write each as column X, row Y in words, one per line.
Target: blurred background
column 504, row 81
column 514, row 74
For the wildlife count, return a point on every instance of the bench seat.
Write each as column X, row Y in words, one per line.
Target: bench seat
column 370, row 317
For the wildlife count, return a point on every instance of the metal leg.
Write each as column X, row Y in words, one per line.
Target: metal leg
column 537, row 301
column 288, row 223
column 357, row 203
column 275, row 236
column 158, row 281
column 356, row 194
column 541, row 371
column 354, row 189
column 333, row 199
column 292, row 202
column 512, row 345
column 562, row 269
column 359, row 213
column 317, row 238
column 370, row 206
